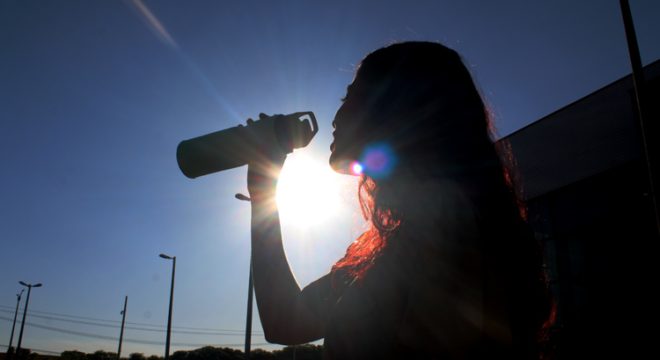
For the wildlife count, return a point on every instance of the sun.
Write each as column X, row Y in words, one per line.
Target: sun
column 308, row 191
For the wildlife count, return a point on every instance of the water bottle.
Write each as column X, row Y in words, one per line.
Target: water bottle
column 237, row 146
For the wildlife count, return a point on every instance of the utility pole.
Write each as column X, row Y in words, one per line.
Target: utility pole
column 169, row 317
column 11, row 338
column 248, row 321
column 27, row 301
column 646, row 124
column 121, row 332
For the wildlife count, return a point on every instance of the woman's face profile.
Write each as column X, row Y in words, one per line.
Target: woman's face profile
column 349, row 129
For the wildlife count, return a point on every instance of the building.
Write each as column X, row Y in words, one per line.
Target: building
column 585, row 182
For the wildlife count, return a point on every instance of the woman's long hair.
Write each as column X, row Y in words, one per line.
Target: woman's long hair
column 421, row 102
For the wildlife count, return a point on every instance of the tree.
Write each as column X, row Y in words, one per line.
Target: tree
column 136, row 356
column 261, row 354
column 213, row 353
column 179, row 355
column 101, row 355
column 72, row 355
column 23, row 354
column 303, row 352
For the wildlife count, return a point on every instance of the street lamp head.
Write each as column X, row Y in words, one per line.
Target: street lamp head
column 165, row 256
column 37, row 285
column 23, row 283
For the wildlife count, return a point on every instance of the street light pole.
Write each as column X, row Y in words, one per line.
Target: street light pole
column 169, row 317
column 121, row 332
column 27, row 302
column 18, row 301
column 248, row 321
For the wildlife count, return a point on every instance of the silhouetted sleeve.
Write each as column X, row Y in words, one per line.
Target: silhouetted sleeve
column 319, row 297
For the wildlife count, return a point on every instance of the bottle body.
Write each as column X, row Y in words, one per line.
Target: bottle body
column 239, row 145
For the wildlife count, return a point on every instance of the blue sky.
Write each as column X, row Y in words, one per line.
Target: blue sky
column 95, row 96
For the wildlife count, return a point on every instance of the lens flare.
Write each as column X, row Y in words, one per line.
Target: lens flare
column 356, row 168
column 378, row 160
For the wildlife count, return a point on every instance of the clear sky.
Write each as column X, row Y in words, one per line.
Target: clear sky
column 96, row 95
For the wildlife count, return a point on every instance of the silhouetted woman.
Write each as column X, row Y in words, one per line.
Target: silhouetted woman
column 448, row 268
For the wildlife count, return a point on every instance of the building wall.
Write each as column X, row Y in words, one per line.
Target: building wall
column 586, row 186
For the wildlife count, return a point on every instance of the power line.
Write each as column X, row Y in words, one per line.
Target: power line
column 71, row 316
column 112, row 338
column 82, row 322
column 38, row 350
column 180, row 328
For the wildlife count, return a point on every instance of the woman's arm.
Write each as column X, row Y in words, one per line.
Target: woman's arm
column 288, row 315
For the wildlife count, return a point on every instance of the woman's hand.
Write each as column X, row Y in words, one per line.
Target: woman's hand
column 264, row 171
column 284, row 310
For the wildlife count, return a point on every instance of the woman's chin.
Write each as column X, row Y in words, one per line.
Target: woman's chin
column 341, row 164
column 335, row 164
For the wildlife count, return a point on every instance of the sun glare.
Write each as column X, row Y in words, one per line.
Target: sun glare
column 308, row 191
